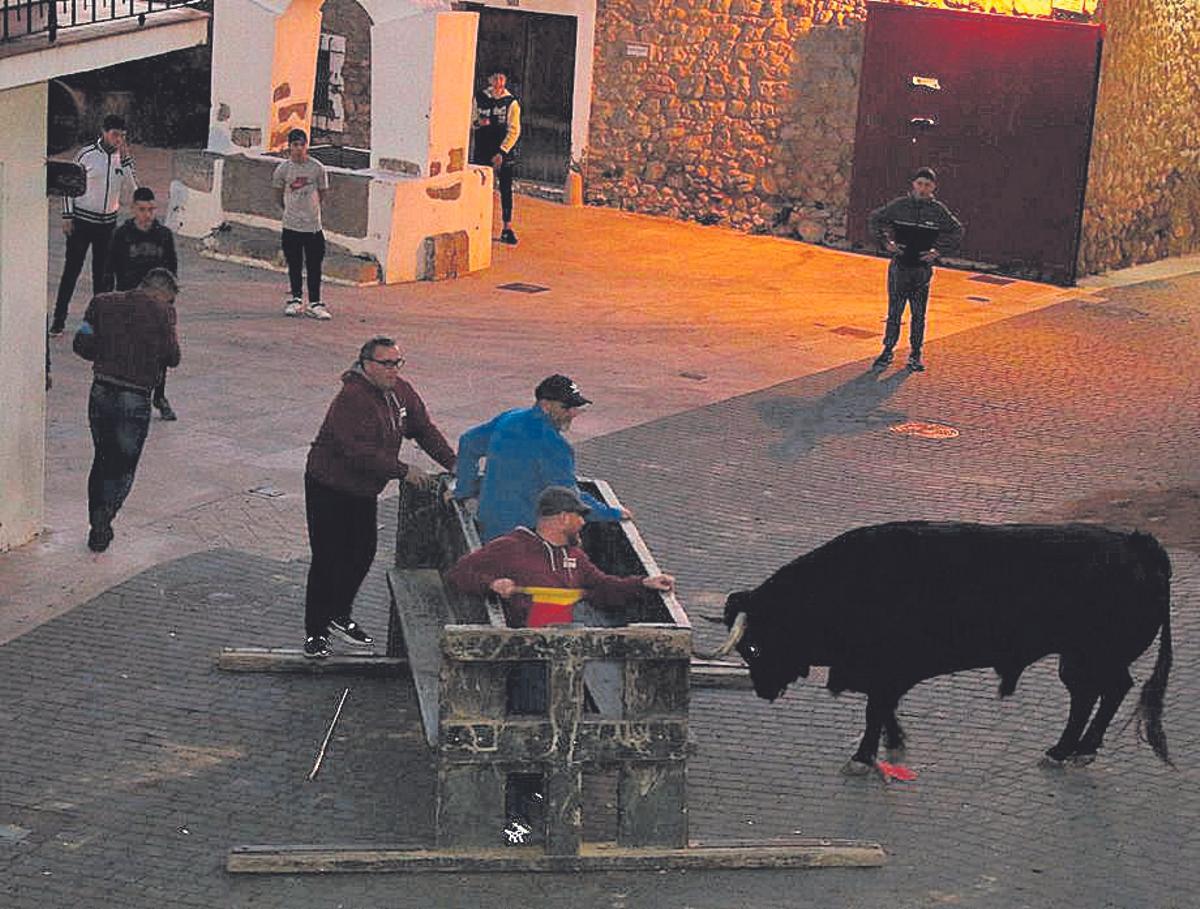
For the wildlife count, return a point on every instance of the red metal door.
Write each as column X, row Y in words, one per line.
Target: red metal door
column 1001, row 107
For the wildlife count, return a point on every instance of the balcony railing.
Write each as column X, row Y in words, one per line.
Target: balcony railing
column 22, row 18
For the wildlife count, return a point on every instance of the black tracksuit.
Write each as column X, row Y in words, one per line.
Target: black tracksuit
column 908, row 276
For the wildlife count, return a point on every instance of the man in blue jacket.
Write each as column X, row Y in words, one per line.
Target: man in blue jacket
column 526, row 452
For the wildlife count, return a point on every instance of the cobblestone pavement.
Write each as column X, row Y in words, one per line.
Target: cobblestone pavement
column 131, row 764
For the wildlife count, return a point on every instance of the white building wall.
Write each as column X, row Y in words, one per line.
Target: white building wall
column 23, row 252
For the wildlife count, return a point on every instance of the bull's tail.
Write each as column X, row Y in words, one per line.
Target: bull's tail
column 1150, row 704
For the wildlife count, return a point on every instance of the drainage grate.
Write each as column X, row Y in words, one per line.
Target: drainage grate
column 992, row 279
column 852, row 332
column 522, row 288
column 921, row 430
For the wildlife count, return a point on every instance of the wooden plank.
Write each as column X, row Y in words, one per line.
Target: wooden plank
column 420, row 601
column 284, row 659
column 798, row 853
column 638, row 543
column 717, row 674
column 535, row 740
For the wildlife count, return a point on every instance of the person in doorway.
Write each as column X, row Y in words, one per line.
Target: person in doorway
column 355, row 454
column 302, row 182
column 138, row 246
column 497, row 122
column 88, row 221
column 525, row 451
column 916, row 229
column 130, row 338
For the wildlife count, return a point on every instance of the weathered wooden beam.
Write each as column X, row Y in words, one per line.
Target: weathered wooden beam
column 798, row 853
column 717, row 674
column 283, row 659
column 419, row 599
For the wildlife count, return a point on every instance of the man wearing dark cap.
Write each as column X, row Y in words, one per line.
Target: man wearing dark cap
column 916, row 229
column 548, row 556
column 526, row 452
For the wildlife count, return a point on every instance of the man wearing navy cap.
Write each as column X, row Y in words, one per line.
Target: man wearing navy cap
column 916, row 229
column 526, row 452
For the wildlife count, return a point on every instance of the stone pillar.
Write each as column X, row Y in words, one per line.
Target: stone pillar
column 23, row 254
column 264, row 65
column 423, row 69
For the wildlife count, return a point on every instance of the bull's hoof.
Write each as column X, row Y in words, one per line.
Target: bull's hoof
column 1081, row 760
column 1050, row 763
column 855, row 767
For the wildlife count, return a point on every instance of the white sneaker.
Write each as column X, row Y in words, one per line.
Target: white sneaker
column 318, row 311
column 293, row 307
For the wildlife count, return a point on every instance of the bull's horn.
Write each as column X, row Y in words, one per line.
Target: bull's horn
column 735, row 635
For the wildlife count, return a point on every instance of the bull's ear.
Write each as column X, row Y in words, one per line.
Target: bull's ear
column 735, row 603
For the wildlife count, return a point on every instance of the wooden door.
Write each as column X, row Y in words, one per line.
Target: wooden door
column 1001, row 107
column 537, row 51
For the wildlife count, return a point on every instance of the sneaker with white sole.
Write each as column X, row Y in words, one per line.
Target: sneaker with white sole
column 351, row 632
column 293, row 307
column 316, row 647
column 318, row 311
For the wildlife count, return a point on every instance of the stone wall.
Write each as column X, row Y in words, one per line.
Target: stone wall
column 1143, row 197
column 738, row 112
column 348, row 19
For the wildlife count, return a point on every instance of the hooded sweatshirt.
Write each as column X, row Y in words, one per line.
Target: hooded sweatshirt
column 358, row 446
column 530, row 561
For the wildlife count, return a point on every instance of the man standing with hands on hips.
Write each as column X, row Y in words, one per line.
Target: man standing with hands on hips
column 497, row 130
column 916, row 229
column 355, row 454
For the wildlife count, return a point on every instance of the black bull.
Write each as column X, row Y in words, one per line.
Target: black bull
column 888, row 606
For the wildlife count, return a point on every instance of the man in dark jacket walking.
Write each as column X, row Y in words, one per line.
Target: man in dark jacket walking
column 355, row 454
column 130, row 338
column 139, row 245
column 916, row 229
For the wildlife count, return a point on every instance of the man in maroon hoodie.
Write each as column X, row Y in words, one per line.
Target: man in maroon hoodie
column 356, row 453
column 547, row 556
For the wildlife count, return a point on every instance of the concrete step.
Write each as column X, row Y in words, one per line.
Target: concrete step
column 259, row 246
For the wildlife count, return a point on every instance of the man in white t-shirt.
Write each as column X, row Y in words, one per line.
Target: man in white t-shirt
column 301, row 182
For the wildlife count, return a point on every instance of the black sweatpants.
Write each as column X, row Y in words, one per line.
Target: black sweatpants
column 504, row 180
column 342, row 535
column 84, row 235
column 304, row 249
column 907, row 285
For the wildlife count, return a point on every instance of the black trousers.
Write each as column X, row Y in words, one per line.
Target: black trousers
column 84, row 236
column 504, row 180
column 343, row 537
column 304, row 248
column 907, row 285
column 119, row 419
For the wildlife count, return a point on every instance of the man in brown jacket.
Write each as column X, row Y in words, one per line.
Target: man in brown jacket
column 356, row 453
column 130, row 338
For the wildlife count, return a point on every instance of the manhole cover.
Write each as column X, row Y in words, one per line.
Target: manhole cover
column 523, row 288
column 992, row 279
column 922, row 430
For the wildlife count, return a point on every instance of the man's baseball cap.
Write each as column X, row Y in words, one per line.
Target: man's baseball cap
column 927, row 173
column 557, row 500
column 562, row 389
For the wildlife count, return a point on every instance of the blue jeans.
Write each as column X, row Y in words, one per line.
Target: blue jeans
column 120, row 419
